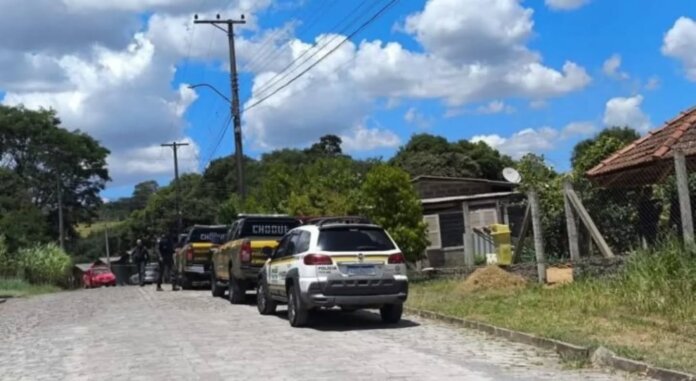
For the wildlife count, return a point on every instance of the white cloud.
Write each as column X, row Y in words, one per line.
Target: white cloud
column 578, row 129
column 361, row 138
column 133, row 165
column 495, row 107
column 627, row 112
column 107, row 72
column 537, row 140
column 680, row 43
column 612, row 66
column 653, row 83
column 522, row 142
column 538, row 104
column 566, row 5
column 336, row 95
column 417, row 118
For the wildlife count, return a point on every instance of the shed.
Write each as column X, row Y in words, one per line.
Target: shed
column 668, row 150
column 453, row 204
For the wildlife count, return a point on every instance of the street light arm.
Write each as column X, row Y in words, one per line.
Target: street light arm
column 212, row 88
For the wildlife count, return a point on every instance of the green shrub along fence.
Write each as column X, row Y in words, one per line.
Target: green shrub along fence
column 40, row 264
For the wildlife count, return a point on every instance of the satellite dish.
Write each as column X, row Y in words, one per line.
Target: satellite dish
column 511, row 175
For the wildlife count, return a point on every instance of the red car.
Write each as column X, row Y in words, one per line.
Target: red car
column 97, row 277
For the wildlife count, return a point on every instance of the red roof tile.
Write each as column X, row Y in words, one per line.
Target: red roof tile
column 647, row 156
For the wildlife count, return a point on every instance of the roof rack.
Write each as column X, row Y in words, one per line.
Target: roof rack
column 339, row 220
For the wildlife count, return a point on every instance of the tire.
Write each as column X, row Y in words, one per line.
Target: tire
column 391, row 313
column 237, row 294
column 265, row 304
column 216, row 290
column 185, row 282
column 298, row 315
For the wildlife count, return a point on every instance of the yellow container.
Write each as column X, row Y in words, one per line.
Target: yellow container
column 502, row 239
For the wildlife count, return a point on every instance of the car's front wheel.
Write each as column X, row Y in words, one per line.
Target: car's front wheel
column 265, row 304
column 298, row 315
column 391, row 313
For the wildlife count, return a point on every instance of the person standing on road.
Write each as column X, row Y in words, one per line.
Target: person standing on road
column 140, row 256
column 166, row 262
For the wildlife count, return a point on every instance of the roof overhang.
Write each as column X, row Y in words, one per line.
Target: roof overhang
column 475, row 197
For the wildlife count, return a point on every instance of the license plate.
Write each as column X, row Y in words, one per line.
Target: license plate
column 361, row 270
column 196, row 269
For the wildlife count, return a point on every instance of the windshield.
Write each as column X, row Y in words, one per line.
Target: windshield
column 213, row 235
column 99, row 270
column 354, row 239
column 267, row 227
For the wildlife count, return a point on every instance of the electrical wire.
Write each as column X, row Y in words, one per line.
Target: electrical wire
column 288, row 69
column 347, row 38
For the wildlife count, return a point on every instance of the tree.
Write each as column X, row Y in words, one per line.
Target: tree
column 142, row 193
column 589, row 152
column 490, row 162
column 220, row 177
column 21, row 222
column 613, row 210
column 53, row 161
column 388, row 198
column 328, row 145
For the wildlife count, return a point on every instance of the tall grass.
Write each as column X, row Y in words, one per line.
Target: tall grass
column 14, row 287
column 662, row 281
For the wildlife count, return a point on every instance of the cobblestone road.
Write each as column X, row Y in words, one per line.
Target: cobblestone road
column 137, row 334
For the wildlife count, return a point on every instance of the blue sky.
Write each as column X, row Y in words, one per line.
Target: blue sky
column 588, row 35
column 524, row 76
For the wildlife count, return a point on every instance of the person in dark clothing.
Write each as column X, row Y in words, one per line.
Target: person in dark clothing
column 165, row 247
column 140, row 256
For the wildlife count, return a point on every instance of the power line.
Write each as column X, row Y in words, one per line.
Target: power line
column 285, row 72
column 351, row 35
column 222, row 132
column 270, row 57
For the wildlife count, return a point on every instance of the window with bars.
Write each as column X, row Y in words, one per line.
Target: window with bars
column 433, row 222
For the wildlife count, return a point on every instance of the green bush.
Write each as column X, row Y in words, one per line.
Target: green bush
column 8, row 262
column 45, row 264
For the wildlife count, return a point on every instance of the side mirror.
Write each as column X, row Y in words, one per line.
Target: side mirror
column 267, row 251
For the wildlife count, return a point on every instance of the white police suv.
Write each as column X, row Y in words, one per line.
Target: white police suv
column 344, row 262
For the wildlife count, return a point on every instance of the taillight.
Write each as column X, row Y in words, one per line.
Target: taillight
column 189, row 254
column 245, row 253
column 317, row 259
column 396, row 259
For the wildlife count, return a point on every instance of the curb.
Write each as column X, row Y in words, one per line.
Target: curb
column 567, row 351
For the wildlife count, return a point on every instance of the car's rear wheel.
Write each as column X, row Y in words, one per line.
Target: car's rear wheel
column 237, row 294
column 391, row 313
column 298, row 314
column 264, row 302
column 215, row 289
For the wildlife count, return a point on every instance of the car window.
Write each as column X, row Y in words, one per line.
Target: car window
column 354, row 239
column 282, row 246
column 294, row 244
column 303, row 242
column 230, row 233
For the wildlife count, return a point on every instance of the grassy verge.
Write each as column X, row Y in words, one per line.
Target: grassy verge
column 648, row 313
column 17, row 288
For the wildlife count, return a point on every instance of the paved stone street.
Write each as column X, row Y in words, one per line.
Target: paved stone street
column 137, row 334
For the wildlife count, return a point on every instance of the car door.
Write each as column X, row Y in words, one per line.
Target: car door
column 276, row 282
column 222, row 255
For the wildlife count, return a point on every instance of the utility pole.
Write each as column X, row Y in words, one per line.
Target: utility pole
column 175, row 146
column 61, row 233
column 236, row 117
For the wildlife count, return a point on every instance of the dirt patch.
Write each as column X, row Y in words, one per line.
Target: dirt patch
column 491, row 278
